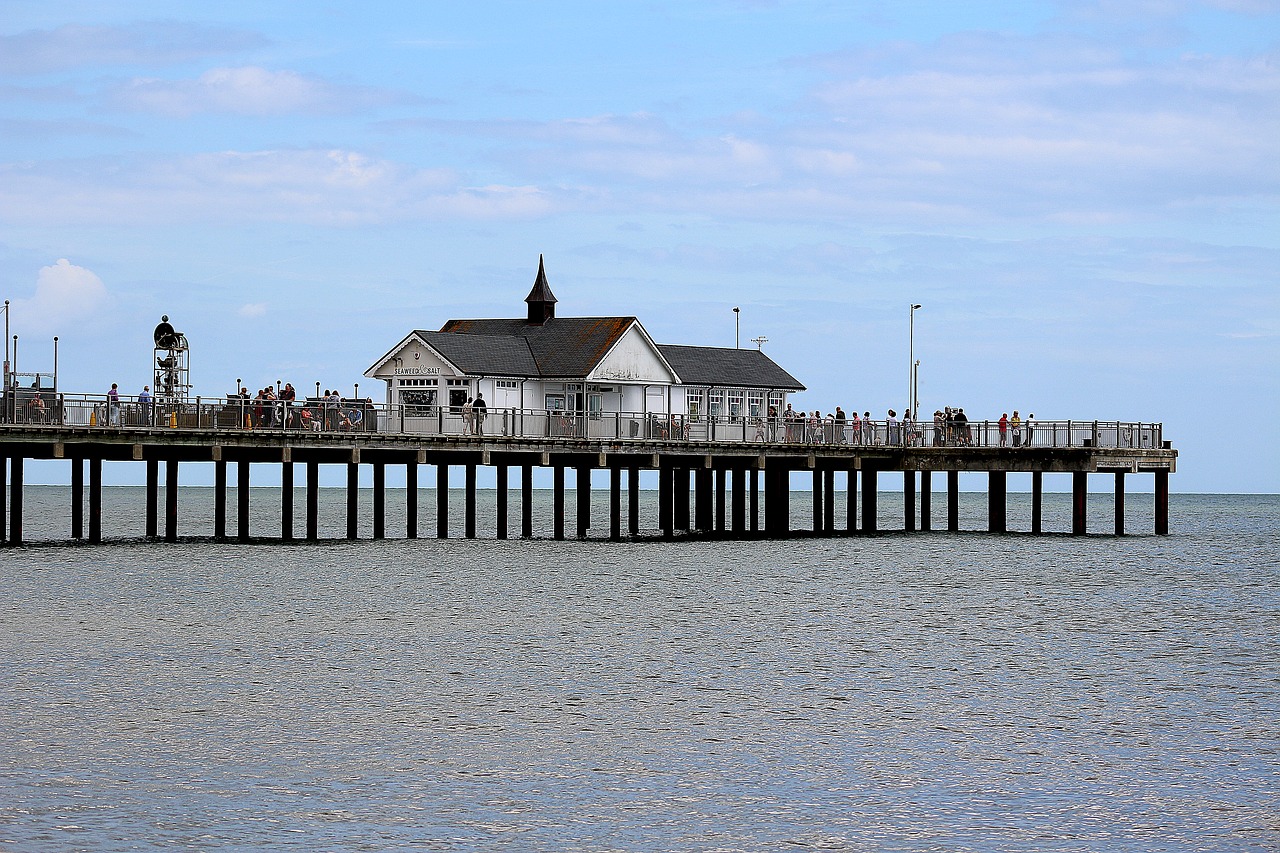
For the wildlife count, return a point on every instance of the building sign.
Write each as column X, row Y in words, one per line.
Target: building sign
column 415, row 370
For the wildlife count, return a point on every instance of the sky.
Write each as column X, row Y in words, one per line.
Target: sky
column 1084, row 197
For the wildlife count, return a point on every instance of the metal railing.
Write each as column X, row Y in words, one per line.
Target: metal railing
column 347, row 416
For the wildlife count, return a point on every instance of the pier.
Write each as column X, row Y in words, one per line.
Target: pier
column 728, row 478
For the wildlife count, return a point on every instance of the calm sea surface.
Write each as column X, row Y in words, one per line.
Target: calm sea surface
column 937, row 691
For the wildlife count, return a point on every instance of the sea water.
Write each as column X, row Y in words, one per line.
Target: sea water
column 910, row 692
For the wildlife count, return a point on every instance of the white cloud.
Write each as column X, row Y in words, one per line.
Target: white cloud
column 65, row 295
column 247, row 90
column 314, row 186
column 253, row 309
column 157, row 42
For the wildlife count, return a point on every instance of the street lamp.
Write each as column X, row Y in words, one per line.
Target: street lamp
column 911, row 360
column 6, row 344
column 915, row 394
column 736, row 312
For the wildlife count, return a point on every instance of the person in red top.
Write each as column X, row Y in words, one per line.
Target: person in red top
column 1004, row 429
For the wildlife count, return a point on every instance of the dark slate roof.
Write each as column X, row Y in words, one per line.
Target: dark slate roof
column 562, row 347
column 484, row 355
column 733, row 368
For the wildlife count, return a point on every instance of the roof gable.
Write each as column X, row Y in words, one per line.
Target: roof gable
column 722, row 367
column 562, row 347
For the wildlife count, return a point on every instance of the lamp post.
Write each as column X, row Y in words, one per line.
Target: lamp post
column 6, row 344
column 911, row 359
column 55, row 366
column 736, row 326
column 915, row 393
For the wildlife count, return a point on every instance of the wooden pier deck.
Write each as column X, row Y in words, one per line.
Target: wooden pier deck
column 733, row 489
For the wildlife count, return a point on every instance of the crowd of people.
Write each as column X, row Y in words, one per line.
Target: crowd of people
column 268, row 409
column 950, row 428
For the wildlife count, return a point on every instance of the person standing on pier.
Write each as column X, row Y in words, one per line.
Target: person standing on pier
column 1030, row 430
column 144, row 404
column 113, row 405
column 1015, row 424
column 468, row 413
column 478, row 410
column 1003, row 423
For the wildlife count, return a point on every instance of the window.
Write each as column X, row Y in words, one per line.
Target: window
column 504, row 383
column 418, row 403
column 694, row 399
column 735, row 405
column 716, row 405
column 755, row 404
column 555, row 402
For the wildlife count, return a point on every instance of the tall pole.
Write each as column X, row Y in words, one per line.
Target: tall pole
column 915, row 393
column 911, row 360
column 55, row 366
column 4, row 392
column 736, row 326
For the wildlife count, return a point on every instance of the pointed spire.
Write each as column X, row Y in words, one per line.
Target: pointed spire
column 542, row 302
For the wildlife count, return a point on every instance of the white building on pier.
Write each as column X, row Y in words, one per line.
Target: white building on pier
column 597, row 376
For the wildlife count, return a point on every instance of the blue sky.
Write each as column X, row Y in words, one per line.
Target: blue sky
column 1084, row 196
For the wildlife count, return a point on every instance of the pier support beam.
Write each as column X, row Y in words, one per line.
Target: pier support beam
column 15, row 500
column 526, row 501
column 851, row 501
column 869, row 476
column 777, row 502
column 633, row 500
column 926, row 500
column 737, row 503
column 704, row 502
column 1162, row 503
column 582, row 490
column 1079, row 503
column 242, row 501
column 286, row 501
column 953, row 501
column 153, row 496
column 379, row 500
column 313, row 501
column 997, row 515
column 442, row 500
column 615, row 503
column 1037, row 501
column 755, row 500
column 1119, row 495
column 680, row 482
column 353, row 500
column 502, row 487
column 411, row 500
column 469, row 524
column 909, row 501
column 829, row 501
column 171, row 500
column 557, row 502
column 721, row 489
column 77, row 498
column 219, row 500
column 816, row 489
column 4, row 518
column 95, row 500
column 666, row 488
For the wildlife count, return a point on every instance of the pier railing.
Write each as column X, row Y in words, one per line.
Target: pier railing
column 349, row 416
